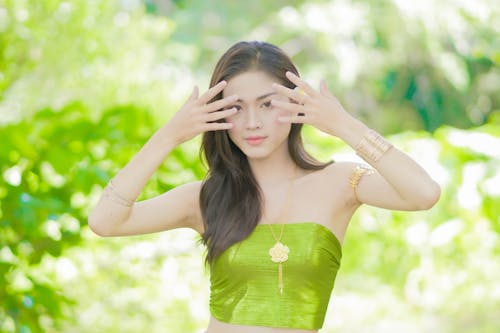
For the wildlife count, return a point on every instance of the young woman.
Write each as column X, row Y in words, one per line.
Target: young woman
column 272, row 217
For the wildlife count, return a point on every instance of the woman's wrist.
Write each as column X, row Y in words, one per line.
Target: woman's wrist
column 111, row 192
column 351, row 131
column 163, row 140
column 372, row 146
column 367, row 143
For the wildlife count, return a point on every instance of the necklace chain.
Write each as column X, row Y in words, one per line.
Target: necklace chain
column 279, row 252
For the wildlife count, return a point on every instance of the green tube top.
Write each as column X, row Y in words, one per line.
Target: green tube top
column 244, row 281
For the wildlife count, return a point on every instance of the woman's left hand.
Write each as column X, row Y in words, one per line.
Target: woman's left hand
column 317, row 108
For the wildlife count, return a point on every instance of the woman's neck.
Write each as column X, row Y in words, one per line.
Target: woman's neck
column 272, row 170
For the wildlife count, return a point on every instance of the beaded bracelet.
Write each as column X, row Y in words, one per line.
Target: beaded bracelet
column 372, row 146
column 111, row 193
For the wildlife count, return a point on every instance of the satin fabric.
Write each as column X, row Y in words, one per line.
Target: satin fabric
column 244, row 281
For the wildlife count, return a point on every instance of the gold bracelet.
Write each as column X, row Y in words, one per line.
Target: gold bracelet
column 111, row 193
column 372, row 146
column 356, row 175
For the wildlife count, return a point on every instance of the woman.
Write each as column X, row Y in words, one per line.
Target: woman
column 272, row 217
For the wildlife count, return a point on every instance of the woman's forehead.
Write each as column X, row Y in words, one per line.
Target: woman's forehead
column 249, row 86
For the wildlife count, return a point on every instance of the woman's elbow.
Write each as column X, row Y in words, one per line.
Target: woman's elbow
column 430, row 197
column 97, row 228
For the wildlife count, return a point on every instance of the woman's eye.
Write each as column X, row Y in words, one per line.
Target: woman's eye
column 267, row 104
column 237, row 107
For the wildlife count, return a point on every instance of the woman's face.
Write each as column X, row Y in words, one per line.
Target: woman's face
column 256, row 129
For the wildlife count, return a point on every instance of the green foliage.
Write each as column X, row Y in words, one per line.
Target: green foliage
column 51, row 165
column 394, row 64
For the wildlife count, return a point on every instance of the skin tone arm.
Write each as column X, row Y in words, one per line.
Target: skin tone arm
column 399, row 182
column 175, row 207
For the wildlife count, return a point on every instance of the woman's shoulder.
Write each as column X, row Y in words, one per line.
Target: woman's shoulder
column 339, row 169
column 188, row 190
column 191, row 192
column 328, row 190
column 335, row 178
column 337, row 172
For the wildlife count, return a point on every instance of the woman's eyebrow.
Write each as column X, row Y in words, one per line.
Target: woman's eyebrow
column 258, row 98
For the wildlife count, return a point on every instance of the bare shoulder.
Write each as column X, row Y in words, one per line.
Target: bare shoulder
column 325, row 196
column 188, row 195
column 334, row 173
column 193, row 194
column 342, row 168
column 337, row 172
column 336, row 177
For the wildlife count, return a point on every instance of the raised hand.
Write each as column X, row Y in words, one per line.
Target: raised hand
column 197, row 115
column 318, row 108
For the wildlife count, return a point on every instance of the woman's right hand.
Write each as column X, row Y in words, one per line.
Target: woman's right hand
column 197, row 115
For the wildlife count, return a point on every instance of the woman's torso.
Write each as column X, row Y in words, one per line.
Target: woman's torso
column 322, row 197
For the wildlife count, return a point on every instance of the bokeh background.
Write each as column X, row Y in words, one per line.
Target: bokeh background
column 85, row 83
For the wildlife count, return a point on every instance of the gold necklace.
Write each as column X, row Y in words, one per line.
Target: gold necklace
column 279, row 252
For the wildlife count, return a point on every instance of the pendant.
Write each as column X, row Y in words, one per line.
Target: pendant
column 279, row 253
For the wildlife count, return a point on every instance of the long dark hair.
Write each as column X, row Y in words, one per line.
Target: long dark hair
column 230, row 197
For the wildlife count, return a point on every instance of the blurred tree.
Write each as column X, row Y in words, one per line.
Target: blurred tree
column 394, row 64
column 397, row 65
column 53, row 165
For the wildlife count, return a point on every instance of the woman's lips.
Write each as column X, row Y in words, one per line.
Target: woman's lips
column 254, row 140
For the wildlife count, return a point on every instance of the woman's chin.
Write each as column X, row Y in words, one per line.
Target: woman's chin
column 256, row 153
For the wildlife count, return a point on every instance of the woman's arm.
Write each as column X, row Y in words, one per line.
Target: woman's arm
column 117, row 212
column 398, row 183
column 109, row 213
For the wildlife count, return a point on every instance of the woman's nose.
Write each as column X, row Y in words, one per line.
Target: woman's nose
column 252, row 120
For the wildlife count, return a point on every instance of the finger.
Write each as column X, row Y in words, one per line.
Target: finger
column 219, row 114
column 291, row 107
column 218, row 126
column 323, row 88
column 212, row 92
column 219, row 104
column 301, row 84
column 194, row 94
column 294, row 119
column 290, row 93
column 302, row 95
